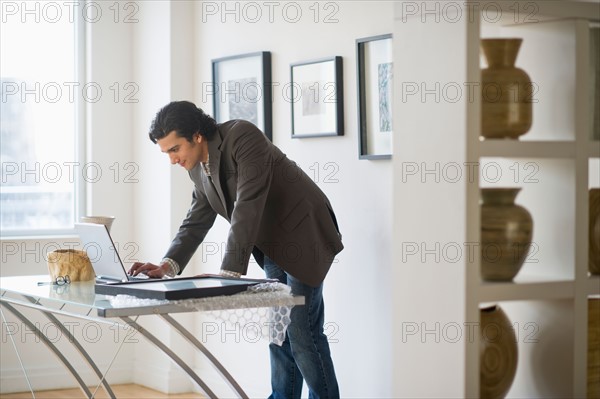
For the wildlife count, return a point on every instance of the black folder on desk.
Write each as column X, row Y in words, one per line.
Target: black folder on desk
column 179, row 288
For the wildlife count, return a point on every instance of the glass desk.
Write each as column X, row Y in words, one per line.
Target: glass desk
column 78, row 300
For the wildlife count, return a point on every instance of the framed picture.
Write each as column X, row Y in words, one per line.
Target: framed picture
column 317, row 98
column 242, row 89
column 375, row 87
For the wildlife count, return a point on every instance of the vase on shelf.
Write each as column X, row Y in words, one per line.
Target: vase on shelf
column 594, row 76
column 506, row 91
column 593, row 353
column 506, row 233
column 498, row 353
column 594, row 231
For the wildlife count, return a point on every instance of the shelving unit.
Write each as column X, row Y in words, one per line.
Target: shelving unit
column 526, row 149
column 593, row 285
column 558, row 155
column 563, row 87
column 498, row 292
column 594, row 149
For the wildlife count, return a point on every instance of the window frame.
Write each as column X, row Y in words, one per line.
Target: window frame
column 79, row 123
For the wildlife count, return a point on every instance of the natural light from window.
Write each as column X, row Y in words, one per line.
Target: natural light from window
column 39, row 93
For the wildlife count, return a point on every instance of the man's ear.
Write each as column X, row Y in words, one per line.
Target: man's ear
column 199, row 138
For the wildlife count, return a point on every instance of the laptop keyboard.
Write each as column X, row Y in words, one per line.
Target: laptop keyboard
column 140, row 276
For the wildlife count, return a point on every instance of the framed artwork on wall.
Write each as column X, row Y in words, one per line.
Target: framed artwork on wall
column 375, row 87
column 242, row 89
column 317, row 98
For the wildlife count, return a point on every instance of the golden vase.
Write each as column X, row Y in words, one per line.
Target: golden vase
column 506, row 234
column 498, row 353
column 506, row 91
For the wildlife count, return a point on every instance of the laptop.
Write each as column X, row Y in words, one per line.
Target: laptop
column 179, row 288
column 103, row 254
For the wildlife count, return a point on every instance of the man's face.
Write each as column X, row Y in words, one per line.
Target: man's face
column 180, row 151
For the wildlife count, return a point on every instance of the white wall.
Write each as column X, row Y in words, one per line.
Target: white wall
column 426, row 214
column 358, row 288
column 163, row 193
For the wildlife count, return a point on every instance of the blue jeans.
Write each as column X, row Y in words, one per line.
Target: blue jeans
column 305, row 353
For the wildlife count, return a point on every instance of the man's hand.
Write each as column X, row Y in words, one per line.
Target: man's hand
column 149, row 269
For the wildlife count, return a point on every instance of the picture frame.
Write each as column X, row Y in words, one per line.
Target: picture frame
column 242, row 89
column 317, row 98
column 375, row 88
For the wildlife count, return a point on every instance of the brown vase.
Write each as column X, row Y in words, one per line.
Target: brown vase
column 506, row 233
column 593, row 352
column 594, row 231
column 498, row 353
column 506, row 91
column 70, row 262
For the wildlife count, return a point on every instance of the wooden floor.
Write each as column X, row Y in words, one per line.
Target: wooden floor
column 130, row 391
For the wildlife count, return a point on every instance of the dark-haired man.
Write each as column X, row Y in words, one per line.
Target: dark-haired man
column 277, row 214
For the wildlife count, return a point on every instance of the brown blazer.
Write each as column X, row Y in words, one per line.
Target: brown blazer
column 273, row 207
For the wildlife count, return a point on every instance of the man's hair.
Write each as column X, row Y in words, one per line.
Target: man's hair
column 185, row 119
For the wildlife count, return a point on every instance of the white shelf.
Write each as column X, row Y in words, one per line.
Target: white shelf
column 558, row 139
column 593, row 286
column 517, row 291
column 554, row 164
column 518, row 12
column 527, row 149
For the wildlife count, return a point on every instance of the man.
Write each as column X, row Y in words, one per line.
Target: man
column 277, row 213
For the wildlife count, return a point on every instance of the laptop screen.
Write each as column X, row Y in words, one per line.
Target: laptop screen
column 101, row 250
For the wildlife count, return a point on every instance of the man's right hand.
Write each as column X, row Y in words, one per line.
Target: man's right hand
column 149, row 269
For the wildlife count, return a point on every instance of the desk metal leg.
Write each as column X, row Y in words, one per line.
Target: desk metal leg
column 79, row 348
column 50, row 346
column 188, row 370
column 194, row 341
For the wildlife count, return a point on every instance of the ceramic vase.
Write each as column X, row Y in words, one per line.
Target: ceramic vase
column 594, row 79
column 72, row 262
column 506, row 91
column 506, row 233
column 593, row 352
column 498, row 353
column 594, row 231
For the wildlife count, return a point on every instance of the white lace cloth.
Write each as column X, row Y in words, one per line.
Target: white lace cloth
column 251, row 311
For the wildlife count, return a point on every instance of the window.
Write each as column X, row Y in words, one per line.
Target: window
column 40, row 126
